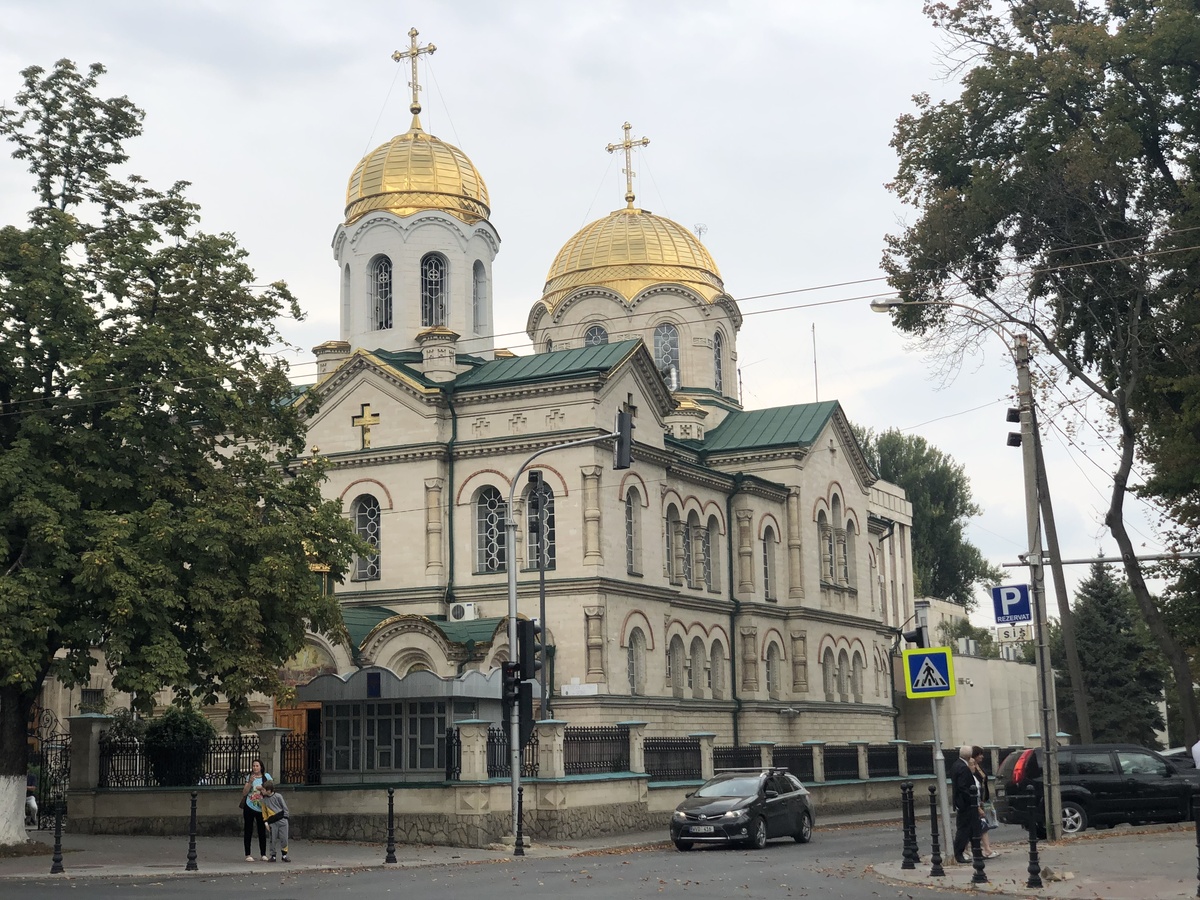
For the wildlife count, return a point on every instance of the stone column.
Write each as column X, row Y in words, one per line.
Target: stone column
column 901, row 757
column 818, row 753
column 472, row 742
column 766, row 753
column 433, row 526
column 864, row 769
column 707, row 740
column 270, row 747
column 637, row 746
column 593, row 618
column 85, row 749
column 745, row 551
column 795, row 545
column 749, row 636
column 592, row 553
column 552, row 761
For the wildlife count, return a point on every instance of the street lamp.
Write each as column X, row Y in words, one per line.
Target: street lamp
column 1018, row 346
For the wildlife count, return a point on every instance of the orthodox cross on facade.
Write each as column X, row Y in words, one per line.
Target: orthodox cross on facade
column 365, row 421
column 412, row 53
column 627, row 145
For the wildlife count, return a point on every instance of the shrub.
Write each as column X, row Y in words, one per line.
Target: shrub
column 176, row 745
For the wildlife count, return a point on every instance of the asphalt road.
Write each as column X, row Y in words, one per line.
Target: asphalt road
column 831, row 866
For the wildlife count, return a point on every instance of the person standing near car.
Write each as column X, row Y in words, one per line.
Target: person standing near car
column 966, row 804
column 1196, row 754
column 986, row 813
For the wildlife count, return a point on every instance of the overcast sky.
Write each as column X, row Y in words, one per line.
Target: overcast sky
column 769, row 125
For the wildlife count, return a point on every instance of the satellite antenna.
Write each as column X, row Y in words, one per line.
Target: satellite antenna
column 700, row 228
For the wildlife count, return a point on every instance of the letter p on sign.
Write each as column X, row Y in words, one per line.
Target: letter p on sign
column 1012, row 604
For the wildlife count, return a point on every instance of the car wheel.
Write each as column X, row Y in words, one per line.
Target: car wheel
column 804, row 835
column 685, row 846
column 758, row 834
column 1074, row 819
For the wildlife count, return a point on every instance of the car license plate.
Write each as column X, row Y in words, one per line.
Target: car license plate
column 702, row 829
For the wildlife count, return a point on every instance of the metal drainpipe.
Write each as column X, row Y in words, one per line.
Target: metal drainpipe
column 737, row 605
column 450, row 497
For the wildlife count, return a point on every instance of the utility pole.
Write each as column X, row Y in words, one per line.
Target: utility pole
column 1037, row 596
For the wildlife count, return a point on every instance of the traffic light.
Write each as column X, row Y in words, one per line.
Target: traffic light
column 529, row 648
column 525, row 712
column 916, row 636
column 623, row 449
column 1014, row 437
column 511, row 688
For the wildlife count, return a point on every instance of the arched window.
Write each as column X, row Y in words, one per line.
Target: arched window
column 479, row 297
column 719, row 363
column 698, row 668
column 843, row 677
column 346, row 293
column 773, row 671
column 713, row 552
column 851, row 552
column 433, row 290
column 671, row 548
column 825, row 543
column 719, row 668
column 595, row 336
column 635, row 662
column 770, row 591
column 549, row 345
column 489, row 531
column 692, row 551
column 858, row 669
column 829, row 673
column 676, row 676
column 633, row 532
column 381, row 292
column 365, row 514
column 537, row 511
column 666, row 353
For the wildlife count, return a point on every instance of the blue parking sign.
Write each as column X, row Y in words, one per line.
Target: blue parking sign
column 1012, row 604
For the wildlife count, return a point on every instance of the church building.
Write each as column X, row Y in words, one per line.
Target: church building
column 745, row 576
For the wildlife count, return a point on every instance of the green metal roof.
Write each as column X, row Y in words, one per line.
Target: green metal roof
column 360, row 620
column 548, row 366
column 459, row 632
column 780, row 426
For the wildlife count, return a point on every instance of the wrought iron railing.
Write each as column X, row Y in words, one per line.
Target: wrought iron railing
column 883, row 761
column 841, row 762
column 498, row 763
column 596, row 748
column 672, row 758
column 797, row 760
column 125, row 762
column 453, row 754
column 920, row 759
column 301, row 759
column 736, row 757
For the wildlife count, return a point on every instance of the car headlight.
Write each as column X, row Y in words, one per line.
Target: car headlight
column 735, row 814
column 679, row 816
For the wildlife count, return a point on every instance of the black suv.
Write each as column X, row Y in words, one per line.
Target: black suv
column 1101, row 784
column 744, row 806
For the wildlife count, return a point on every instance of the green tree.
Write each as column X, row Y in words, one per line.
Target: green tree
column 1122, row 669
column 152, row 501
column 949, row 631
column 1057, row 197
column 945, row 564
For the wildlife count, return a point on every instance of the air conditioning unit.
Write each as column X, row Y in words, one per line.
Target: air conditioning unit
column 462, row 612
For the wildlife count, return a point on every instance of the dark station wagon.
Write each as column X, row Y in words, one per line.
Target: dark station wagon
column 1101, row 785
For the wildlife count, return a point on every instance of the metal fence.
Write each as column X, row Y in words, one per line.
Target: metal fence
column 300, row 761
column 499, row 765
column 736, row 757
column 797, row 760
column 126, row 763
column 883, row 761
column 672, row 758
column 598, row 748
column 841, row 762
column 920, row 759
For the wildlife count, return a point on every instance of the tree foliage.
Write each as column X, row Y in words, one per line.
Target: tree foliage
column 1122, row 669
column 945, row 564
column 950, row 630
column 153, row 501
column 1058, row 197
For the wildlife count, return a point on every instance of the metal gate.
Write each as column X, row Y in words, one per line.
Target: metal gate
column 50, row 760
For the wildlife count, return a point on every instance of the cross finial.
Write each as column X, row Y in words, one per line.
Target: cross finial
column 365, row 421
column 627, row 145
column 412, row 53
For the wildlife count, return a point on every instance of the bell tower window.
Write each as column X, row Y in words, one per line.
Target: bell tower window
column 718, row 363
column 595, row 336
column 479, row 297
column 381, row 292
column 433, row 290
column 666, row 353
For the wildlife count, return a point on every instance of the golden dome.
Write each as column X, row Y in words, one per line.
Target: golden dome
column 415, row 171
column 628, row 251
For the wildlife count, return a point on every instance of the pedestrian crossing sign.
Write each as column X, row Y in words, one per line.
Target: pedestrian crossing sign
column 929, row 673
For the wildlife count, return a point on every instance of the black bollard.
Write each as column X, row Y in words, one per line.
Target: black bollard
column 980, row 877
column 391, row 837
column 191, row 857
column 519, row 849
column 1196, row 816
column 935, row 858
column 56, row 865
column 908, row 853
column 1035, row 866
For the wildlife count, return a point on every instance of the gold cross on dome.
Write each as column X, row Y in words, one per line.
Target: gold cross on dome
column 627, row 145
column 412, row 53
column 365, row 421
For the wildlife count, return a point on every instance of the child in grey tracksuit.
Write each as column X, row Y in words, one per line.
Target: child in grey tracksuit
column 275, row 813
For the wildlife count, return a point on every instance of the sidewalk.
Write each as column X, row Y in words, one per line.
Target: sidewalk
column 1124, row 863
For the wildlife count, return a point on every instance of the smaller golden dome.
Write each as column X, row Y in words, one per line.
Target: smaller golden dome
column 628, row 251
column 416, row 171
